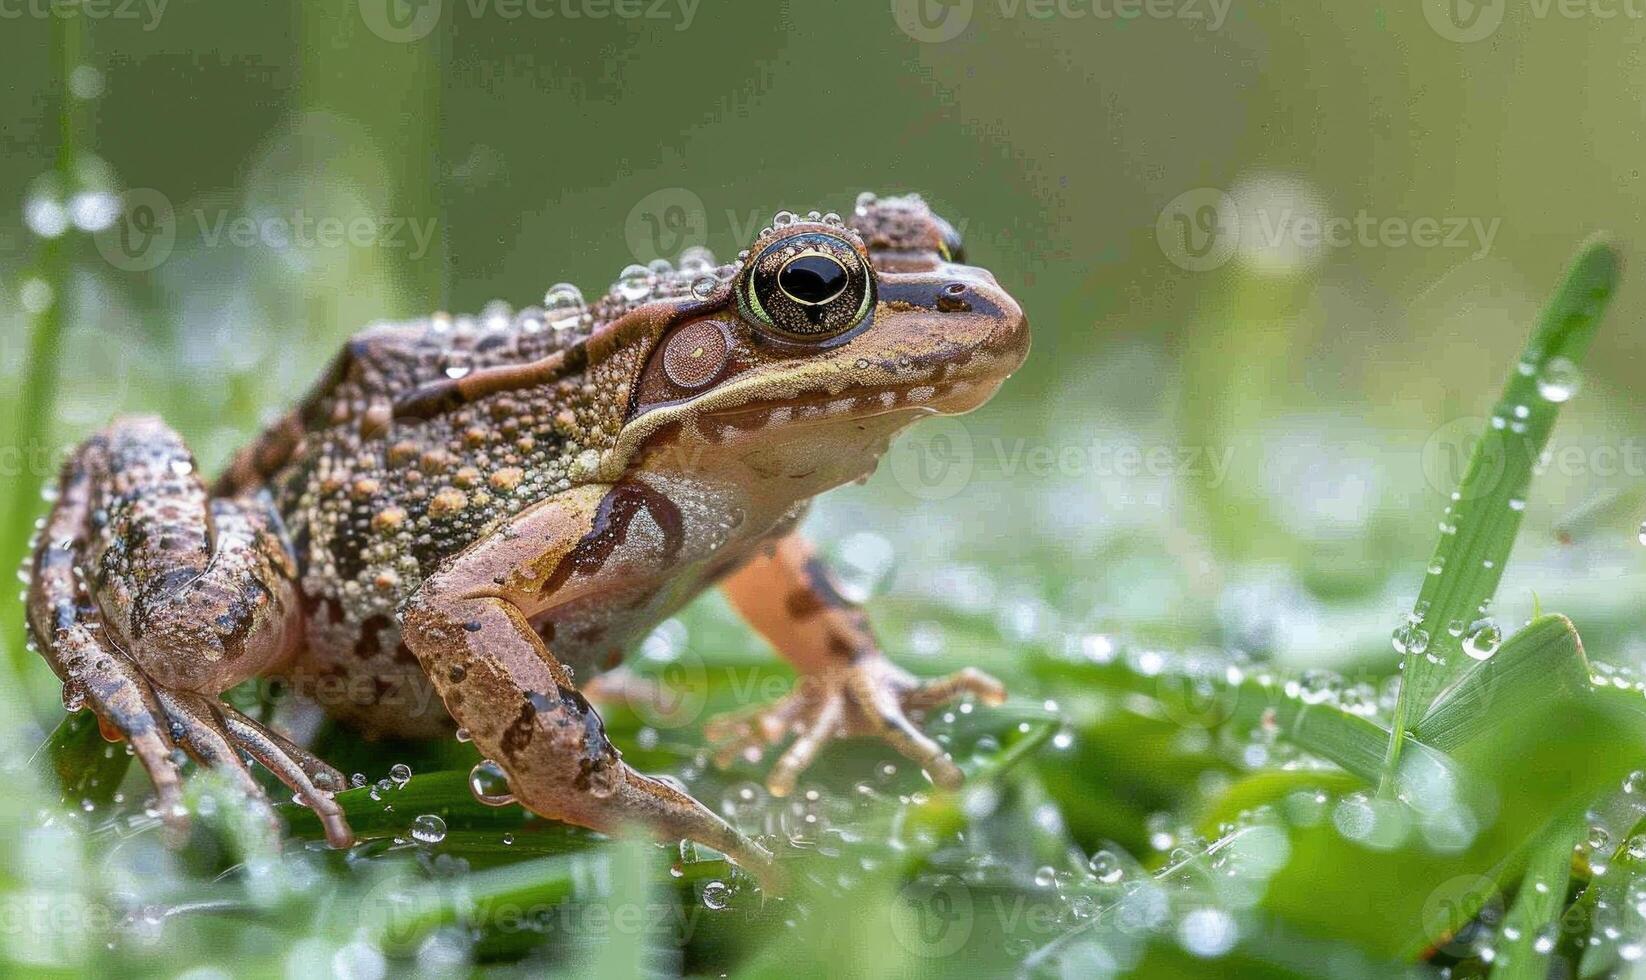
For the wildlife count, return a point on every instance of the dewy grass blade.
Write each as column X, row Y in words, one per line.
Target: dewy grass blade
column 1528, row 930
column 1542, row 661
column 1449, row 627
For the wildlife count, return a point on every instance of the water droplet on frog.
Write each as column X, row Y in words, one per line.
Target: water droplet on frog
column 696, row 259
column 633, row 283
column 1483, row 641
column 716, row 895
column 832, row 218
column 563, row 306
column 463, row 735
column 783, row 219
column 489, row 784
column 814, row 216
column 497, row 315
column 660, row 267
column 1559, row 380
column 429, row 829
column 703, row 286
column 400, row 774
column 458, row 371
column 865, row 201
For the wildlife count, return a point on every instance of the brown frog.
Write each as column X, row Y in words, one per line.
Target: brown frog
column 493, row 506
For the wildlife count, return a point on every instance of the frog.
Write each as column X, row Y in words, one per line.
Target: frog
column 466, row 515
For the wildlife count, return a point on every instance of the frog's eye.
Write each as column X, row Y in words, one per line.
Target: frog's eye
column 809, row 286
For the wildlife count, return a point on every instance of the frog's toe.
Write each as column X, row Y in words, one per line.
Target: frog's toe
column 306, row 775
column 870, row 697
column 127, row 709
column 746, row 734
column 198, row 728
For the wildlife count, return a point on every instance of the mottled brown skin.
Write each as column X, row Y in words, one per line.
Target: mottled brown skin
column 465, row 516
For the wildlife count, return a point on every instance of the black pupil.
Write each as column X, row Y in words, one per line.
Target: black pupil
column 813, row 279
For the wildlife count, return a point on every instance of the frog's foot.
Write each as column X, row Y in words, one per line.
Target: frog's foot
column 871, row 696
column 148, row 598
column 216, row 734
column 157, row 722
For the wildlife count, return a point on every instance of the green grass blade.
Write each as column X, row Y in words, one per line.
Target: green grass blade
column 1206, row 693
column 84, row 765
column 1528, row 930
column 1543, row 660
column 1480, row 526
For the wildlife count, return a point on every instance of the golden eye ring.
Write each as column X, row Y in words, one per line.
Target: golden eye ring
column 813, row 285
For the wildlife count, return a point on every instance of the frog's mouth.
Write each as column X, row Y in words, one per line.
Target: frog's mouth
column 918, row 398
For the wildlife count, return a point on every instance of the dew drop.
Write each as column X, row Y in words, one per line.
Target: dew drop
column 696, row 259
column 1105, row 867
column 489, row 784
column 716, row 895
column 563, row 306
column 1559, row 380
column 1410, row 638
column 400, row 774
column 1483, row 641
column 429, row 829
column 633, row 283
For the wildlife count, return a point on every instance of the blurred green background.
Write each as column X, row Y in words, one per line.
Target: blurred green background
column 1227, row 434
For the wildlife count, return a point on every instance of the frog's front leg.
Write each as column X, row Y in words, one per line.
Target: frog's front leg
column 468, row 627
column 149, row 599
column 846, row 684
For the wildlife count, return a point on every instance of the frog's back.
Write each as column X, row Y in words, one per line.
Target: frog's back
column 374, row 502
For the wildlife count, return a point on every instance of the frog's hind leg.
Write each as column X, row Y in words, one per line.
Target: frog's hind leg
column 148, row 600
